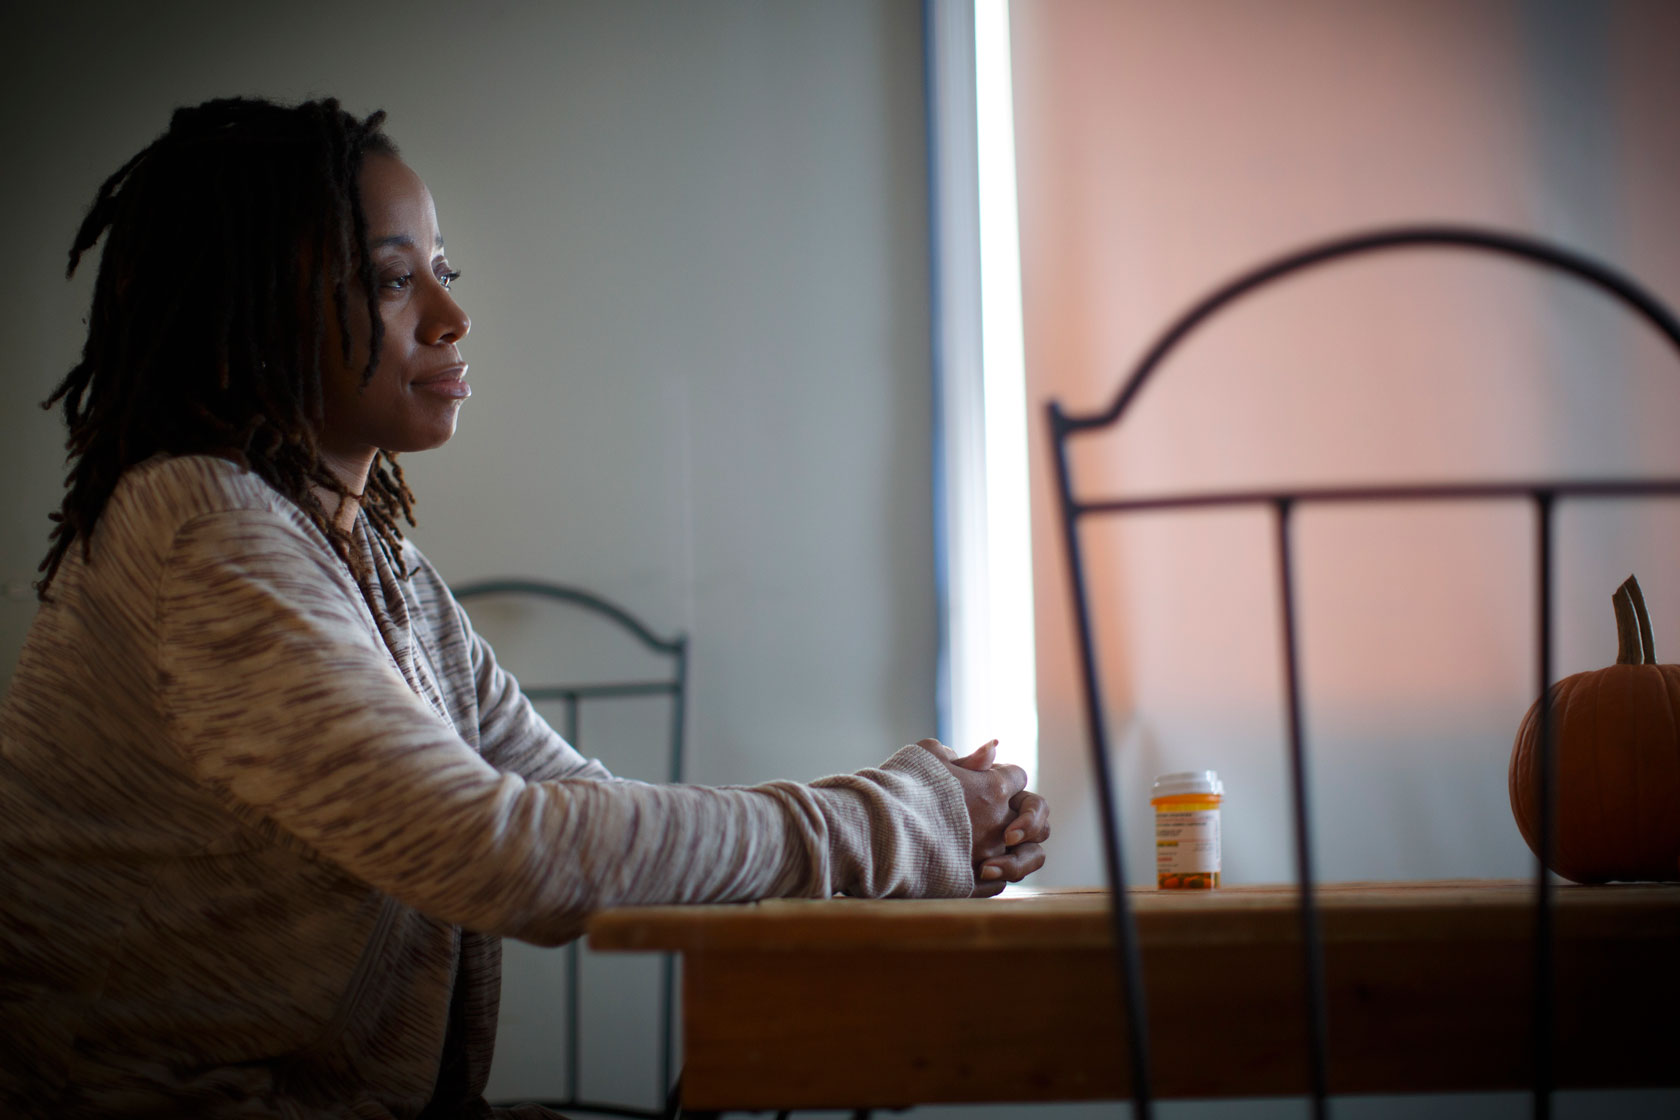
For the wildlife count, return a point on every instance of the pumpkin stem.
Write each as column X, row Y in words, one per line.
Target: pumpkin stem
column 1633, row 626
column 1647, row 639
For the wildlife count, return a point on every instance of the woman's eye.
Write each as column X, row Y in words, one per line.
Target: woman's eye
column 406, row 280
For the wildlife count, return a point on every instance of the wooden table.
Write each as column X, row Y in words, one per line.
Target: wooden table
column 847, row 1003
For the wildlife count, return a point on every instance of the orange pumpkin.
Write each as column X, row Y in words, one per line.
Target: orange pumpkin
column 1618, row 761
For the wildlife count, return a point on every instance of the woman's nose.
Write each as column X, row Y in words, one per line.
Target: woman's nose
column 445, row 321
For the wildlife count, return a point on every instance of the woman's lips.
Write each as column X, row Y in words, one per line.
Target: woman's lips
column 451, row 383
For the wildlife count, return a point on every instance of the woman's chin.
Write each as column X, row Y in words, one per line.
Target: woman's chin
column 426, row 437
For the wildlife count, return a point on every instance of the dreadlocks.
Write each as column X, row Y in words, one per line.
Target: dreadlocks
column 227, row 237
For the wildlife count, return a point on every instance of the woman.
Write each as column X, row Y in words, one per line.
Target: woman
column 267, row 803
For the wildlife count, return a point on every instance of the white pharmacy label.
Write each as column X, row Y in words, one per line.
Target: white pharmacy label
column 1186, row 841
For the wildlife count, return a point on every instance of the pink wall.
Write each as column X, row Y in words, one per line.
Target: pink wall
column 1165, row 147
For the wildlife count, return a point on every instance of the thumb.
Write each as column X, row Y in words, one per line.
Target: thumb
column 981, row 759
column 934, row 746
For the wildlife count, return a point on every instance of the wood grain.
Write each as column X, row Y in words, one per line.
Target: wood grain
column 850, row 1003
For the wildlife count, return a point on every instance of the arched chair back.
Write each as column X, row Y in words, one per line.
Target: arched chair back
column 583, row 660
column 1089, row 504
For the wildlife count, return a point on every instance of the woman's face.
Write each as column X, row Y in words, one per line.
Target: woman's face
column 418, row 386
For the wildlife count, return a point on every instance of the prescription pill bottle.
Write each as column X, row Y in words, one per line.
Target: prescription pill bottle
column 1187, row 830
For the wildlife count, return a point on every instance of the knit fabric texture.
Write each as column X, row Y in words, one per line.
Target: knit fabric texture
column 262, row 824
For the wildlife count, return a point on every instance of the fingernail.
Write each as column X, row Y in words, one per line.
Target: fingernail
column 1012, row 837
column 990, row 872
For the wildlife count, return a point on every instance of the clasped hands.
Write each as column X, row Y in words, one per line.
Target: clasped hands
column 1009, row 823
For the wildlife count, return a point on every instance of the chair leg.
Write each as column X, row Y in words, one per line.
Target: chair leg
column 673, row 1101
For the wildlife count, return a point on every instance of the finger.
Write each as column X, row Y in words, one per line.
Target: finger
column 1014, row 865
column 1011, row 779
column 934, row 746
column 1033, row 820
column 988, row 888
column 983, row 852
column 1032, row 814
column 981, row 759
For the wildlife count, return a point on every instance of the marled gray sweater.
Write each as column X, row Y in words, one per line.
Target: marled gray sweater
column 262, row 825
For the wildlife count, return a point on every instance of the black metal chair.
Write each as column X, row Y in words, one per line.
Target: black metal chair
column 505, row 608
column 1076, row 508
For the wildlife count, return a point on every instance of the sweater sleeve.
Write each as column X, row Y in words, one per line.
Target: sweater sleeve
column 511, row 733
column 284, row 701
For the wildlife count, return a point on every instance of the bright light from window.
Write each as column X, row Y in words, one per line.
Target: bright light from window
column 1010, row 661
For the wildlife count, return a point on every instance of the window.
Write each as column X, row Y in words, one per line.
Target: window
column 987, row 664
